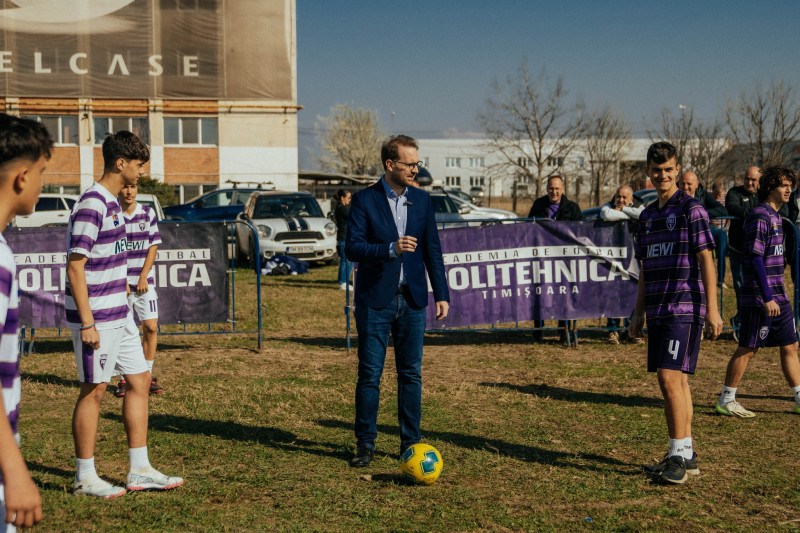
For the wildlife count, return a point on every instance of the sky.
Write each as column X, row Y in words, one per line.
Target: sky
column 427, row 67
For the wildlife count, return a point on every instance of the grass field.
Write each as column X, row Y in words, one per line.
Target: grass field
column 534, row 437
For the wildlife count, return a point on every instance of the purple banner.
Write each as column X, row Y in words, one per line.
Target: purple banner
column 537, row 271
column 190, row 271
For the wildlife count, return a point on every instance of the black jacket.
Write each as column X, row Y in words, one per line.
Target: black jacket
column 713, row 207
column 340, row 214
column 567, row 210
column 739, row 203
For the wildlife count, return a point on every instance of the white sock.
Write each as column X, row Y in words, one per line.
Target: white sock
column 675, row 447
column 688, row 451
column 84, row 468
column 150, row 365
column 138, row 458
column 796, row 391
column 728, row 395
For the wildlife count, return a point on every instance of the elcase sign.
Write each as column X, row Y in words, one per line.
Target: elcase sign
column 148, row 48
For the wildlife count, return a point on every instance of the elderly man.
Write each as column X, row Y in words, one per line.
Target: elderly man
column 555, row 206
column 622, row 208
column 690, row 184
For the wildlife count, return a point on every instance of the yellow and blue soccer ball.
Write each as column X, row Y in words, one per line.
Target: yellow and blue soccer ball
column 421, row 463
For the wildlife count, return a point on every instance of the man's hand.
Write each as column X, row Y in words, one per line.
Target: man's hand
column 142, row 286
column 90, row 337
column 23, row 502
column 441, row 310
column 772, row 308
column 713, row 323
column 404, row 244
column 636, row 326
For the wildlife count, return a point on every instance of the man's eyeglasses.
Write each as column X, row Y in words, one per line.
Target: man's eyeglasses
column 417, row 164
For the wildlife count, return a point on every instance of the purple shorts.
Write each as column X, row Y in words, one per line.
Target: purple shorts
column 761, row 331
column 673, row 346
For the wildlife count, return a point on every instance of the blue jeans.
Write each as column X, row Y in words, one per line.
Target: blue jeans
column 345, row 266
column 407, row 327
column 736, row 261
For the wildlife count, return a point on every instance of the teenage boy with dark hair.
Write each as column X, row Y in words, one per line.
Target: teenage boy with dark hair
column 25, row 148
column 104, row 335
column 766, row 314
column 674, row 247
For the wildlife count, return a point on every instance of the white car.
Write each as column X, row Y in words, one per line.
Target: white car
column 287, row 223
column 151, row 200
column 52, row 209
column 472, row 212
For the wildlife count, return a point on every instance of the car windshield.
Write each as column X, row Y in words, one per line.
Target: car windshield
column 443, row 204
column 282, row 207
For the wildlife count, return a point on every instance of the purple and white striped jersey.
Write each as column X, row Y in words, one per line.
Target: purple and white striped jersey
column 668, row 242
column 763, row 229
column 142, row 233
column 10, row 384
column 97, row 230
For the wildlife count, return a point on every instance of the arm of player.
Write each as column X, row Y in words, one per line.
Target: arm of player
column 149, row 261
column 23, row 502
column 708, row 273
column 760, row 271
column 636, row 325
column 76, row 274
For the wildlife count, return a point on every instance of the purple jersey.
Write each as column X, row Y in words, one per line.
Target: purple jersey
column 10, row 384
column 668, row 242
column 142, row 233
column 763, row 236
column 96, row 230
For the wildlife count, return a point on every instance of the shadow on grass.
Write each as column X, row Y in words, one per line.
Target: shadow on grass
column 48, row 345
column 267, row 436
column 67, row 475
column 559, row 393
column 50, row 379
column 522, row 452
column 299, row 281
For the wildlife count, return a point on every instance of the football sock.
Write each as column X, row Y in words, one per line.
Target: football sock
column 150, row 365
column 675, row 447
column 138, row 458
column 84, row 468
column 728, row 395
column 796, row 391
column 688, row 451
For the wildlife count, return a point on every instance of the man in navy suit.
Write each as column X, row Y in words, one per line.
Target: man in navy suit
column 392, row 236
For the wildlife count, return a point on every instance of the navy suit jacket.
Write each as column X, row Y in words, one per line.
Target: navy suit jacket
column 370, row 231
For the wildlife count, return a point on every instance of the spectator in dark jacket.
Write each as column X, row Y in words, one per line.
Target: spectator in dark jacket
column 691, row 186
column 555, row 205
column 340, row 215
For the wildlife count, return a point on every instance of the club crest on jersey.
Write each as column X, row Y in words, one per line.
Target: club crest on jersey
column 647, row 225
column 763, row 332
column 142, row 226
column 671, row 222
column 116, row 221
column 103, row 359
column 774, row 228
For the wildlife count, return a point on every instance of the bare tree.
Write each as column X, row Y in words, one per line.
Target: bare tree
column 351, row 141
column 608, row 138
column 531, row 127
column 706, row 152
column 673, row 128
column 763, row 122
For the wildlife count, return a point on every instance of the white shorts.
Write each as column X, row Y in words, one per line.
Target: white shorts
column 4, row 528
column 144, row 305
column 120, row 350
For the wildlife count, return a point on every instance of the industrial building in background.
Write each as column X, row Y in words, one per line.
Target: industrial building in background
column 210, row 85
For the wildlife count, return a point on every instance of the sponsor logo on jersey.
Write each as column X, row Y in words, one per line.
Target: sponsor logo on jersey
column 660, row 249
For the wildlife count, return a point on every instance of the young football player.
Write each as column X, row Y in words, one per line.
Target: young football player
column 104, row 334
column 767, row 318
column 25, row 148
column 143, row 240
column 677, row 291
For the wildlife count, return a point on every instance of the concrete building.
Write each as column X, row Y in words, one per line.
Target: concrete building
column 210, row 85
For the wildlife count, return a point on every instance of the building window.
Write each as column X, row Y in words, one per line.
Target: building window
column 426, row 162
column 452, row 181
column 476, row 181
column 104, row 126
column 476, row 162
column 62, row 128
column 555, row 161
column 452, row 162
column 580, row 161
column 524, row 162
column 190, row 130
